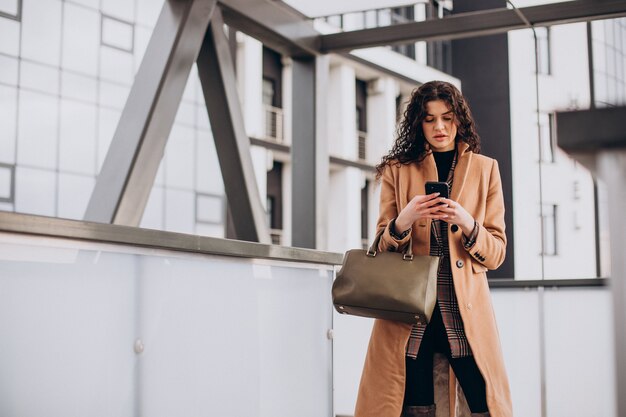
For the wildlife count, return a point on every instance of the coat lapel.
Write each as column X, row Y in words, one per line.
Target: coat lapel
column 460, row 172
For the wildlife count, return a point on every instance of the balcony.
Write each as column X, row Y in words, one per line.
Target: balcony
column 274, row 122
column 362, row 140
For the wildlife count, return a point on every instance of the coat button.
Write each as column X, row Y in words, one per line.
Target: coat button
column 454, row 228
column 459, row 264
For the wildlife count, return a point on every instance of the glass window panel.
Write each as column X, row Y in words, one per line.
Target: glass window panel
column 122, row 9
column 213, row 230
column 370, row 19
column 208, row 174
column 153, row 214
column 39, row 77
column 8, row 70
column 148, row 11
column 77, row 144
column 37, row 142
column 35, row 191
column 93, row 4
column 79, row 87
column 107, row 122
column 9, row 37
column 9, row 7
column 116, row 65
column 113, row 95
column 6, row 183
column 186, row 114
column 81, row 39
column 142, row 37
column 384, row 17
column 202, row 118
column 117, row 33
column 74, row 194
column 179, row 158
column 41, row 31
column 210, row 208
column 179, row 211
column 8, row 122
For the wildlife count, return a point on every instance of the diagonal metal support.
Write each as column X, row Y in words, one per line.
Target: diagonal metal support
column 217, row 76
column 466, row 25
column 133, row 159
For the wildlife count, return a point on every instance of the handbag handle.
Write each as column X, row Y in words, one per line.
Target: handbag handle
column 408, row 251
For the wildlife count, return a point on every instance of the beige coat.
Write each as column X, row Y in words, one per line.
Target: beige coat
column 477, row 187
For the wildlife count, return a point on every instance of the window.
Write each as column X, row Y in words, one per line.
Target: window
column 543, row 50
column 117, row 33
column 11, row 9
column 7, row 183
column 209, row 209
column 546, row 137
column 268, row 91
column 548, row 226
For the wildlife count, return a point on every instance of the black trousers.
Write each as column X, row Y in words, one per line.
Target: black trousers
column 419, row 388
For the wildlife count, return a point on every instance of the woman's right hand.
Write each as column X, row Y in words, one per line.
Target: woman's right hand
column 420, row 207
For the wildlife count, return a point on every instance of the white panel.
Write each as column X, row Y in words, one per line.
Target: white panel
column 113, row 95
column 6, row 207
column 10, row 7
column 41, row 31
column 517, row 315
column 271, row 349
column 9, row 37
column 8, row 115
column 351, row 337
column 35, row 191
column 210, row 208
column 74, row 194
column 117, row 33
column 202, row 118
column 8, row 70
column 6, row 178
column 179, row 157
column 179, row 211
column 208, row 172
column 142, row 36
column 116, row 65
column 153, row 214
column 39, row 77
column 107, row 123
column 77, row 150
column 68, row 323
column 186, row 113
column 81, row 39
column 94, row 4
column 122, row 9
column 580, row 359
column 79, row 87
column 148, row 11
column 37, row 142
column 212, row 230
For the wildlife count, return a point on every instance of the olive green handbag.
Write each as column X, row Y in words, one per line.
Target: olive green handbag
column 387, row 285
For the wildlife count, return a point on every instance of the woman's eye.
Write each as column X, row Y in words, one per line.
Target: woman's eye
column 447, row 119
column 429, row 120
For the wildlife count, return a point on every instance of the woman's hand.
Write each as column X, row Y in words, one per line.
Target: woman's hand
column 420, row 207
column 458, row 215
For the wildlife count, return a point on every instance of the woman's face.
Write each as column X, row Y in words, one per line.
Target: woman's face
column 439, row 126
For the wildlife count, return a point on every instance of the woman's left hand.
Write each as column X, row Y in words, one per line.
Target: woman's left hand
column 458, row 215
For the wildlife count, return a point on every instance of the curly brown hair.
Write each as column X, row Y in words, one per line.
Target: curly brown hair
column 411, row 145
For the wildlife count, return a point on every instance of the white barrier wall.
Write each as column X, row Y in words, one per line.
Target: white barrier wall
column 103, row 330
column 576, row 342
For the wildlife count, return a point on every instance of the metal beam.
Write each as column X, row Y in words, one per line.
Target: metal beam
column 466, row 25
column 274, row 23
column 125, row 180
column 303, row 154
column 217, row 76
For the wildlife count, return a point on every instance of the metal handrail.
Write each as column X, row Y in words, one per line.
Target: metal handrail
column 28, row 224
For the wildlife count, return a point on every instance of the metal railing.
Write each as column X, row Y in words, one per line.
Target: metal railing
column 274, row 122
column 362, row 139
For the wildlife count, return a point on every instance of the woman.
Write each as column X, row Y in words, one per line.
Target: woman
column 437, row 141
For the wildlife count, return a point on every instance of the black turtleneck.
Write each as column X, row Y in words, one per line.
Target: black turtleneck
column 443, row 160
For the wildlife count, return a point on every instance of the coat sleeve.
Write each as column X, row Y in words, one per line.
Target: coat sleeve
column 388, row 212
column 490, row 246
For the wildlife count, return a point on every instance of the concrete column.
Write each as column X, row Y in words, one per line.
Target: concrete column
column 250, row 87
column 344, row 203
column 342, row 135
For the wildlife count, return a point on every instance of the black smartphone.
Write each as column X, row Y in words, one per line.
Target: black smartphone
column 438, row 187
